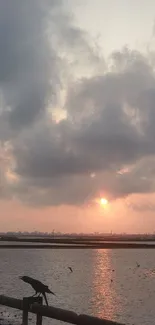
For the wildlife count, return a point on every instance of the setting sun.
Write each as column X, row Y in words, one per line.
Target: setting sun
column 103, row 201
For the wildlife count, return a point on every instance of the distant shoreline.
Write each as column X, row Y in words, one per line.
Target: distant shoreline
column 90, row 246
column 73, row 243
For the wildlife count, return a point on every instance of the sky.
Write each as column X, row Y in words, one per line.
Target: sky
column 77, row 115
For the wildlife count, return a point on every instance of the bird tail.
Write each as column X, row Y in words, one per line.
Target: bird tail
column 44, row 294
column 49, row 291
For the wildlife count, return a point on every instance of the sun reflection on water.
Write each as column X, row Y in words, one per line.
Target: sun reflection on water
column 104, row 294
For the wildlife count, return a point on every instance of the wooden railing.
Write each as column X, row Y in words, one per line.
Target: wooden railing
column 34, row 305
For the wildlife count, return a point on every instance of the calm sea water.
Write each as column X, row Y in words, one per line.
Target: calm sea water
column 104, row 283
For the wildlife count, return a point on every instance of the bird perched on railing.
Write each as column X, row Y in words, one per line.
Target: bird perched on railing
column 38, row 286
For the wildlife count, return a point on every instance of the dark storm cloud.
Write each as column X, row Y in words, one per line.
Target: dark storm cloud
column 28, row 66
column 103, row 128
column 110, row 115
column 32, row 34
column 110, row 124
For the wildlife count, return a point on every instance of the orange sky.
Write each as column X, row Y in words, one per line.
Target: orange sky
column 117, row 217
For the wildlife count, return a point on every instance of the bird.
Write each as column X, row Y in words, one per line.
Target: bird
column 38, row 286
column 138, row 265
column 69, row 267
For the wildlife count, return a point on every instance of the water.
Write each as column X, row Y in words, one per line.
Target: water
column 126, row 294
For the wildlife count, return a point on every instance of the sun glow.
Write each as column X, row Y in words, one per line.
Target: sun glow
column 103, row 201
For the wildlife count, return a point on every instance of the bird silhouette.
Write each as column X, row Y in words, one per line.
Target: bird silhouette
column 38, row 286
column 69, row 267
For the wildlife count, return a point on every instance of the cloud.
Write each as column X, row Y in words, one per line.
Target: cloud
column 28, row 64
column 110, row 113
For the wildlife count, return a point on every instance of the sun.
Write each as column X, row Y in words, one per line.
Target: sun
column 103, row 201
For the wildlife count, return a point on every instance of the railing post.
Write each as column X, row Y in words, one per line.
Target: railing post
column 27, row 301
column 25, row 311
column 39, row 317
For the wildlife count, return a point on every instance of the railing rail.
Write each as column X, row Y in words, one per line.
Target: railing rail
column 33, row 305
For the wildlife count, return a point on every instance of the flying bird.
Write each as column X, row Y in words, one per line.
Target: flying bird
column 69, row 267
column 38, row 286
